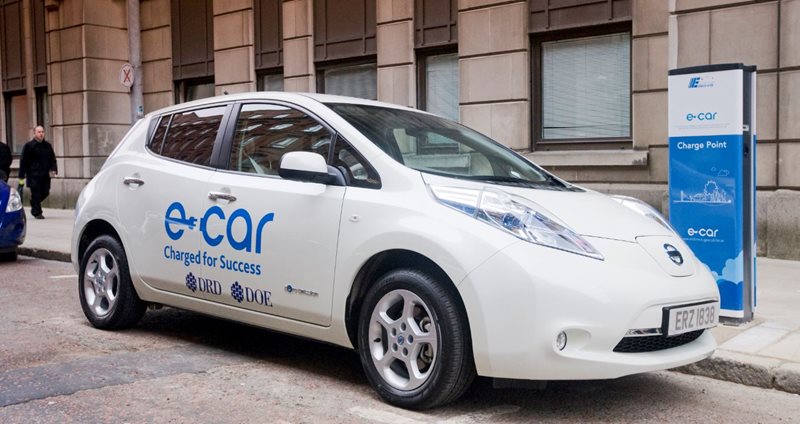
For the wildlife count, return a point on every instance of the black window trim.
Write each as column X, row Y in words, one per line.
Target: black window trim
column 537, row 116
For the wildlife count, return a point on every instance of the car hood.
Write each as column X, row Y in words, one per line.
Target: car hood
column 586, row 212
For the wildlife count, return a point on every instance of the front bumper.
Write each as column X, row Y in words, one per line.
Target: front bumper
column 12, row 230
column 520, row 299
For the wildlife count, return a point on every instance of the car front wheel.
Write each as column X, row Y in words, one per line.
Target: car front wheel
column 108, row 298
column 414, row 341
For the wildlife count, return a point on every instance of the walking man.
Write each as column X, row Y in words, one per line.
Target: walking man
column 37, row 165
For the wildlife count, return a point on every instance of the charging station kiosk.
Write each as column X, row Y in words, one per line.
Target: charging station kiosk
column 712, row 181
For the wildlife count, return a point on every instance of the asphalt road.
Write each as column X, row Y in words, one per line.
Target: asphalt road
column 178, row 366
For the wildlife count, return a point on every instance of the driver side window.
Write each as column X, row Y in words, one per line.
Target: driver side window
column 264, row 133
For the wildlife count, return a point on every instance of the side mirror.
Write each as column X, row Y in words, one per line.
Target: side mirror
column 309, row 167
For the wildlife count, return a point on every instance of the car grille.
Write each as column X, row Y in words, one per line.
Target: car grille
column 654, row 343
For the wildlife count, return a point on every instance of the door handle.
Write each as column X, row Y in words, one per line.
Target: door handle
column 216, row 195
column 132, row 180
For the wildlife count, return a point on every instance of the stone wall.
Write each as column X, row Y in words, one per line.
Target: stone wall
column 90, row 109
column 156, row 36
column 234, row 56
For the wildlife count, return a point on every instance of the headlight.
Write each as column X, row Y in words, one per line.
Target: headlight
column 516, row 215
column 14, row 201
column 643, row 209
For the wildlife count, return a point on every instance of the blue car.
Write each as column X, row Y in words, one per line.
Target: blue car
column 12, row 222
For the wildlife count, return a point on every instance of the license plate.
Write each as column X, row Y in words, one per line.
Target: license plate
column 685, row 318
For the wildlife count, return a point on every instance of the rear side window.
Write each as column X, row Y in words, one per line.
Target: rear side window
column 191, row 135
column 158, row 137
column 264, row 133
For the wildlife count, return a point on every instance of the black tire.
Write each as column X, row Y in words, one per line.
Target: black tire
column 94, row 283
column 449, row 374
column 8, row 256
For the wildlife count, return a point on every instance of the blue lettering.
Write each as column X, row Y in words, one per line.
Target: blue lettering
column 212, row 211
column 176, row 218
column 171, row 220
column 239, row 266
column 246, row 243
column 702, row 116
column 261, row 224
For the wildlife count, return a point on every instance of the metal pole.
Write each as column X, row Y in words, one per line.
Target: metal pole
column 27, row 33
column 135, row 53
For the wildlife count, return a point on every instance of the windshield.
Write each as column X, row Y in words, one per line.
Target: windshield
column 439, row 146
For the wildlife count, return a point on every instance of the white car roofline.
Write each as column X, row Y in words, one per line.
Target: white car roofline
column 294, row 97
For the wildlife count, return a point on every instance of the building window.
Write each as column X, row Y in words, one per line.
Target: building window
column 192, row 49
column 43, row 108
column 188, row 90
column 268, row 33
column 436, row 41
column 354, row 81
column 585, row 89
column 344, row 29
column 435, row 23
column 268, row 18
column 17, row 117
column 438, row 84
column 270, row 82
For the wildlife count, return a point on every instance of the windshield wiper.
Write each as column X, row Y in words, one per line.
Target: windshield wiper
column 507, row 180
column 550, row 182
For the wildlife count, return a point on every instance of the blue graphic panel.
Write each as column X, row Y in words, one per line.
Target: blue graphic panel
column 706, row 206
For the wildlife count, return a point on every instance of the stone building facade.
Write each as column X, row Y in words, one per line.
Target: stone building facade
column 503, row 67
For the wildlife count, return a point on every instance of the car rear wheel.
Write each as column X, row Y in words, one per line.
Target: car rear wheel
column 414, row 341
column 108, row 298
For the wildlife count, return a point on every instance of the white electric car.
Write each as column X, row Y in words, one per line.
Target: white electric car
column 435, row 252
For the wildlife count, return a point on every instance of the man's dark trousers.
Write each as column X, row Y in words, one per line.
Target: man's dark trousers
column 40, row 189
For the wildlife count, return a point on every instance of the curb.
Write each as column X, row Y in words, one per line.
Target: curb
column 52, row 255
column 757, row 371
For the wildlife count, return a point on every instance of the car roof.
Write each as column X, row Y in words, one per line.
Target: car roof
column 295, row 97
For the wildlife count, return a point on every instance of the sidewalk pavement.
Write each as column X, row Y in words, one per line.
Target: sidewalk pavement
column 49, row 238
column 764, row 352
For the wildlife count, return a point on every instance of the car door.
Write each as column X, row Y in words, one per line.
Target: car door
column 272, row 242
column 160, row 196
